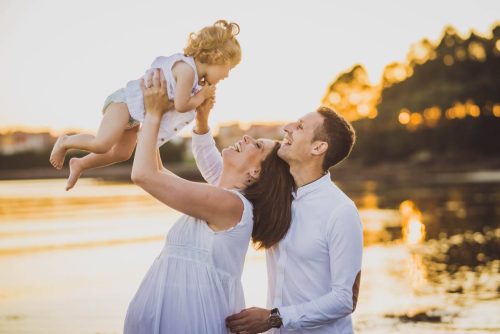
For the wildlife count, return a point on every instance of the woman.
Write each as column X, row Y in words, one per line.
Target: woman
column 195, row 283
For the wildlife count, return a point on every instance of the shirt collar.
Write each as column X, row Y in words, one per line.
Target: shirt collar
column 310, row 187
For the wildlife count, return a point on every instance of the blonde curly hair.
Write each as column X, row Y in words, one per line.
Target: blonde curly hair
column 215, row 44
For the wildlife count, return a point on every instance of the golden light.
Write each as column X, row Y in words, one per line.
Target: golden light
column 416, row 231
column 450, row 113
column 496, row 110
column 399, row 74
column 363, row 110
column 473, row 110
column 461, row 54
column 354, row 98
column 396, row 72
column 497, row 45
column 432, row 116
column 477, row 52
column 432, row 113
column 460, row 110
column 373, row 114
column 334, row 98
column 420, row 52
column 404, row 116
column 416, row 118
column 448, row 60
column 406, row 207
column 417, row 271
column 370, row 201
column 412, row 227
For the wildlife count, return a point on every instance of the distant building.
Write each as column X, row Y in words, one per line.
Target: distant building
column 229, row 134
column 270, row 131
column 18, row 142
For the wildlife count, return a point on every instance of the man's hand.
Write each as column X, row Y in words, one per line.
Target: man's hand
column 155, row 96
column 251, row 320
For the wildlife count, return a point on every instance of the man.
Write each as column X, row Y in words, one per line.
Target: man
column 314, row 272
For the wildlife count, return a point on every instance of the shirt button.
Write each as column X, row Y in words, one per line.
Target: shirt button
column 162, row 139
column 175, row 129
column 186, row 123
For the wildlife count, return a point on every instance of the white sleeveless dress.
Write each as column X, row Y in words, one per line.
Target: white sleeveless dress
column 172, row 122
column 195, row 282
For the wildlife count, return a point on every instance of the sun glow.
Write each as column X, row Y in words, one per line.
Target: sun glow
column 412, row 225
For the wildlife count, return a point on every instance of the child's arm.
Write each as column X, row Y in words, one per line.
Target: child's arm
column 184, row 76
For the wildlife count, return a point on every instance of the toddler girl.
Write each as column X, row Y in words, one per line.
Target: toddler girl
column 191, row 78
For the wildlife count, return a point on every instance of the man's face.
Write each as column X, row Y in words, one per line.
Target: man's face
column 297, row 144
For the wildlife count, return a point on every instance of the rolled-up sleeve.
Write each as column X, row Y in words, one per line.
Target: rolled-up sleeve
column 208, row 158
column 345, row 245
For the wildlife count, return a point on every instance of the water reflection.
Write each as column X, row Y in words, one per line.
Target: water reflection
column 413, row 229
column 45, row 200
column 443, row 240
column 431, row 261
column 417, row 272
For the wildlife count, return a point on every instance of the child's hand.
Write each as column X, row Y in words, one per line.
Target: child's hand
column 155, row 96
column 208, row 91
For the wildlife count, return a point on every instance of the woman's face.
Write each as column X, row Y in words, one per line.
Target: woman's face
column 247, row 154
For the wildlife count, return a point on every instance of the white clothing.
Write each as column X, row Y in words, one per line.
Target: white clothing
column 195, row 283
column 313, row 273
column 173, row 121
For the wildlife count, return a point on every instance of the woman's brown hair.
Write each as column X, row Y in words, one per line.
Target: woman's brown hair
column 271, row 196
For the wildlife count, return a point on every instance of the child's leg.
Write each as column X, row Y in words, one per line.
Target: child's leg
column 114, row 122
column 122, row 151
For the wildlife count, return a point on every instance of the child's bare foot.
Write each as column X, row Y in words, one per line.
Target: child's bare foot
column 75, row 170
column 58, row 153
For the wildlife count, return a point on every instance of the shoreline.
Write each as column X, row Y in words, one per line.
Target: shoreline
column 113, row 173
column 351, row 171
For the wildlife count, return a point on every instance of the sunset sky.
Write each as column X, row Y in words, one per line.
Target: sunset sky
column 59, row 59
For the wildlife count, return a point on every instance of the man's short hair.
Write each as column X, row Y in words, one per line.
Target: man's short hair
column 338, row 133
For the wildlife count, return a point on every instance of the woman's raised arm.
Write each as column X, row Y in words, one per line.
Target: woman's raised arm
column 220, row 208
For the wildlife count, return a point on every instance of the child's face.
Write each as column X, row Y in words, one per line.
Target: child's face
column 216, row 73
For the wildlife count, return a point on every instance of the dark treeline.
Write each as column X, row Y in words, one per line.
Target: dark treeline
column 449, row 92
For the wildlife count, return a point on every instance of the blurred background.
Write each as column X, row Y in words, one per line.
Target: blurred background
column 420, row 82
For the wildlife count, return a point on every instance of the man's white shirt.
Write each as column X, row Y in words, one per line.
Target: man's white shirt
column 314, row 272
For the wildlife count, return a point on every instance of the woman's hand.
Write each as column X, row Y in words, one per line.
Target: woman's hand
column 156, row 100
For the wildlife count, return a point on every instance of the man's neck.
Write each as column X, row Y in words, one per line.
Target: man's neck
column 305, row 173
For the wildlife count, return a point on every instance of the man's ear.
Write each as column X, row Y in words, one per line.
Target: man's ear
column 319, row 147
